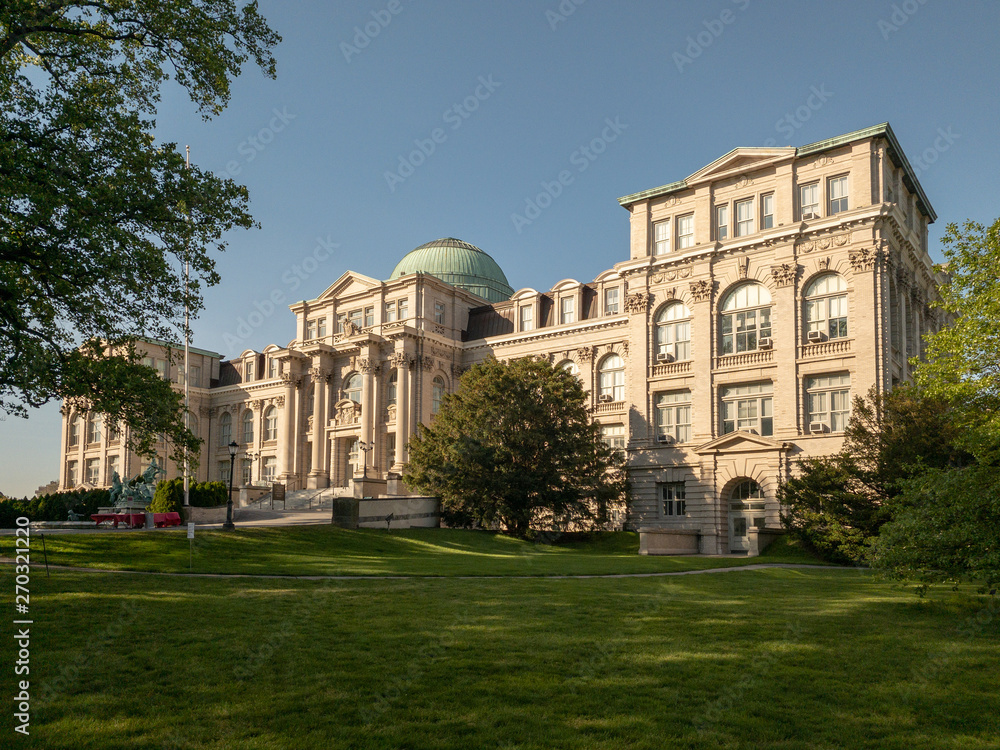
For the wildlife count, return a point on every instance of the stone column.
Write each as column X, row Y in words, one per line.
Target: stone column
column 402, row 364
column 319, row 476
column 286, row 440
column 65, row 411
column 368, row 368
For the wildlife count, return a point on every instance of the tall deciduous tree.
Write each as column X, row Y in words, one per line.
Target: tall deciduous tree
column 96, row 217
column 948, row 528
column 838, row 504
column 513, row 447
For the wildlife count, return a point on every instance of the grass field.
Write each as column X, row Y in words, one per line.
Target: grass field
column 327, row 550
column 778, row 658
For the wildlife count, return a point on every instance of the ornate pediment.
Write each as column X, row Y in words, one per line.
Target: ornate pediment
column 742, row 442
column 347, row 412
column 739, row 163
column 348, row 284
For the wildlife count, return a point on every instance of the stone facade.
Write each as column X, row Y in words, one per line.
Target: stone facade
column 760, row 294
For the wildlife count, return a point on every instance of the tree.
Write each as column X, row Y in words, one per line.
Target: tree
column 838, row 504
column 513, row 447
column 96, row 218
column 947, row 528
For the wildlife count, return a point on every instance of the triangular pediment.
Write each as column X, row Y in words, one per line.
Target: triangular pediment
column 740, row 161
column 742, row 442
column 350, row 283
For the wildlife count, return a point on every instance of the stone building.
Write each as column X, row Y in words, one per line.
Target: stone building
column 759, row 296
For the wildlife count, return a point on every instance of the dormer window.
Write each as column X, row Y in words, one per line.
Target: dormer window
column 248, row 371
column 567, row 310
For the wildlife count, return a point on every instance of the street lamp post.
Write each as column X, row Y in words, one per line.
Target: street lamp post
column 228, row 525
column 364, row 448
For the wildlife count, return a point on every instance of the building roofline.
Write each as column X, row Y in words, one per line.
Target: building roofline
column 882, row 130
column 179, row 346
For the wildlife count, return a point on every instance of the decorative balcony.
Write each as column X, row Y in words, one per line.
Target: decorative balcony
column 672, row 368
column 610, row 407
column 747, row 359
column 826, row 348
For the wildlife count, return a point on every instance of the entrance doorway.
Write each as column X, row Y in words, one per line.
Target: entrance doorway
column 746, row 509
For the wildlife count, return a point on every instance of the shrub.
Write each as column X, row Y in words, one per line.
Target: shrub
column 169, row 497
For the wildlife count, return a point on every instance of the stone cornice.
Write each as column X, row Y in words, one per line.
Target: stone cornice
column 541, row 334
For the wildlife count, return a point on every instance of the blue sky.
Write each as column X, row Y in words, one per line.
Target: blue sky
column 395, row 122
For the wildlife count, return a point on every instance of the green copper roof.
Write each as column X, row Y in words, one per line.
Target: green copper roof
column 460, row 264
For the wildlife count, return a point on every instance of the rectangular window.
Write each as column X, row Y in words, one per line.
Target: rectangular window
column 270, row 468
column 809, row 199
column 767, row 211
column 744, row 217
column 163, row 367
column 390, row 312
column 828, row 399
column 354, row 316
column 369, row 317
column 149, row 362
column 439, row 311
column 527, row 318
column 223, row 472
column 246, row 466
column 685, row 231
column 321, row 328
column 748, row 408
column 310, row 330
column 837, row 190
column 71, row 476
column 567, row 310
column 673, row 415
column 721, row 222
column 94, row 429
column 611, row 301
column 613, row 435
column 341, row 319
column 273, row 368
column 248, row 370
column 112, row 469
column 195, row 376
column 742, row 331
column 93, row 471
column 403, row 308
column 674, row 499
column 661, row 237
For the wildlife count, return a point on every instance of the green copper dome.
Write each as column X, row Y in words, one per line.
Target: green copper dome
column 459, row 264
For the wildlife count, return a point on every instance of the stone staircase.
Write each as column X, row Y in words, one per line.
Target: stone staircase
column 301, row 500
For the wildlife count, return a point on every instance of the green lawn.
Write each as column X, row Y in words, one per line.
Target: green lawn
column 778, row 658
column 327, row 550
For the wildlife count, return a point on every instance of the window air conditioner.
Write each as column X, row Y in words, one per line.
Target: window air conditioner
column 604, row 398
column 816, row 427
column 667, row 439
column 664, row 357
column 816, row 336
column 765, row 344
column 809, row 215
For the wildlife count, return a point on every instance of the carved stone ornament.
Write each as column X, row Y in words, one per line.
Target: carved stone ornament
column 742, row 267
column 426, row 363
column 279, row 402
column 823, row 161
column 678, row 272
column 348, row 412
column 670, row 201
column 457, row 370
column 903, row 280
column 439, row 329
column 917, row 295
column 657, row 278
column 784, row 274
column 824, row 243
column 670, row 294
column 585, row 353
column 636, row 302
column 624, row 348
column 399, row 360
column 701, row 290
column 743, row 181
column 368, row 365
column 824, row 264
column 319, row 374
column 255, row 404
column 289, row 378
column 351, row 328
column 865, row 258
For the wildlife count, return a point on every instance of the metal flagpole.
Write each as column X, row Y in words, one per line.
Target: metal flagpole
column 187, row 378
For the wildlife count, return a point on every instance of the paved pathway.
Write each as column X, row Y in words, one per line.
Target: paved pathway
column 753, row 566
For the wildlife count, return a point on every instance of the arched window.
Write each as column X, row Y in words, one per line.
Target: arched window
column 192, row 424
column 612, row 378
column 248, row 427
column 271, row 423
column 745, row 318
column 311, row 400
column 826, row 307
column 94, row 428
column 569, row 366
column 437, row 393
column 673, row 333
column 225, row 428
column 75, row 425
column 748, row 490
column 352, row 387
column 390, row 389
